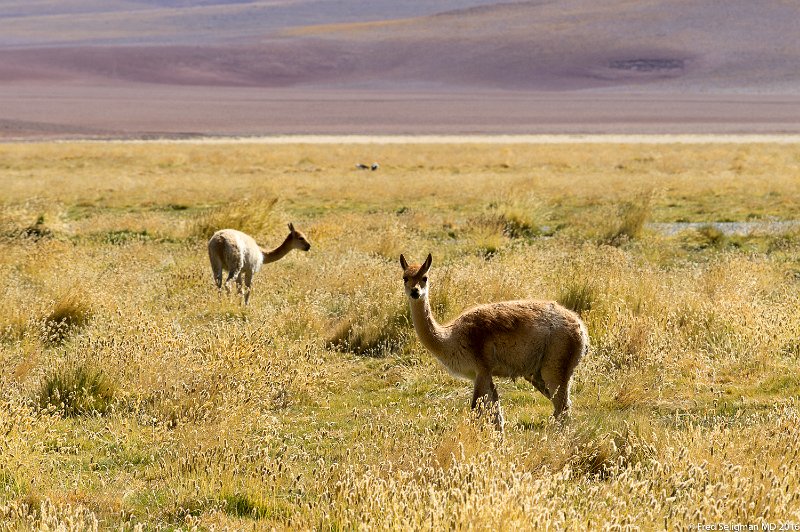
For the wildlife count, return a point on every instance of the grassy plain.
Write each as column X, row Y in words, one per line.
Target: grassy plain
column 132, row 395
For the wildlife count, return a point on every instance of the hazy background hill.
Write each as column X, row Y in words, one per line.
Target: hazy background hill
column 120, row 22
column 674, row 49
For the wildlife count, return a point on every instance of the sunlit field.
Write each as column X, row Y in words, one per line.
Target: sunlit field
column 133, row 394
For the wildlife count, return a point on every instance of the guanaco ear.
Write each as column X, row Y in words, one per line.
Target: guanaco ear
column 403, row 262
column 426, row 265
column 291, row 227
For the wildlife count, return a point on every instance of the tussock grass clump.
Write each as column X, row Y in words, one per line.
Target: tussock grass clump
column 244, row 505
column 471, row 438
column 578, row 295
column 704, row 237
column 784, row 242
column 791, row 348
column 376, row 334
column 630, row 220
column 77, row 389
column 631, row 391
column 13, row 324
column 521, row 217
column 603, row 454
column 251, row 216
column 70, row 312
column 30, row 221
column 519, row 222
column 383, row 237
column 486, row 235
column 627, row 346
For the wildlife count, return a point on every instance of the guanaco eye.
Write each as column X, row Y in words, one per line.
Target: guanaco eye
column 425, row 279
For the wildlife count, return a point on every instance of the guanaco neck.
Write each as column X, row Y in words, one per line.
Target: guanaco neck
column 279, row 252
column 432, row 335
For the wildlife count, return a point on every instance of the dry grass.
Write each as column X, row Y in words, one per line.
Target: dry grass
column 254, row 217
column 76, row 390
column 317, row 408
column 630, row 220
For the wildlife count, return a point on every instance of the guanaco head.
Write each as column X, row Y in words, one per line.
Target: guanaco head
column 415, row 277
column 298, row 239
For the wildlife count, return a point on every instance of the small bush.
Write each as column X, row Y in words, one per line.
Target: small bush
column 77, row 390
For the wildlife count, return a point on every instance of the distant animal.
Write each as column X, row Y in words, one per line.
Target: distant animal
column 374, row 166
column 241, row 256
column 362, row 166
column 540, row 341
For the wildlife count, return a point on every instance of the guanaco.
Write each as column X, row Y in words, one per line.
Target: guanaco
column 540, row 341
column 239, row 253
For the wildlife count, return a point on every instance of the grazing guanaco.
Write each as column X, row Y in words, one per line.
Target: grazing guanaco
column 239, row 253
column 540, row 341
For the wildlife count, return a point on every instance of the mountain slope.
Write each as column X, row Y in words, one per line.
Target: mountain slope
column 731, row 45
column 150, row 67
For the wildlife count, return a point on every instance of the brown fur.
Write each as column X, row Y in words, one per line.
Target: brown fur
column 540, row 341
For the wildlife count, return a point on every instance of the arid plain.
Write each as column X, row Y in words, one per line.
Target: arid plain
column 133, row 394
